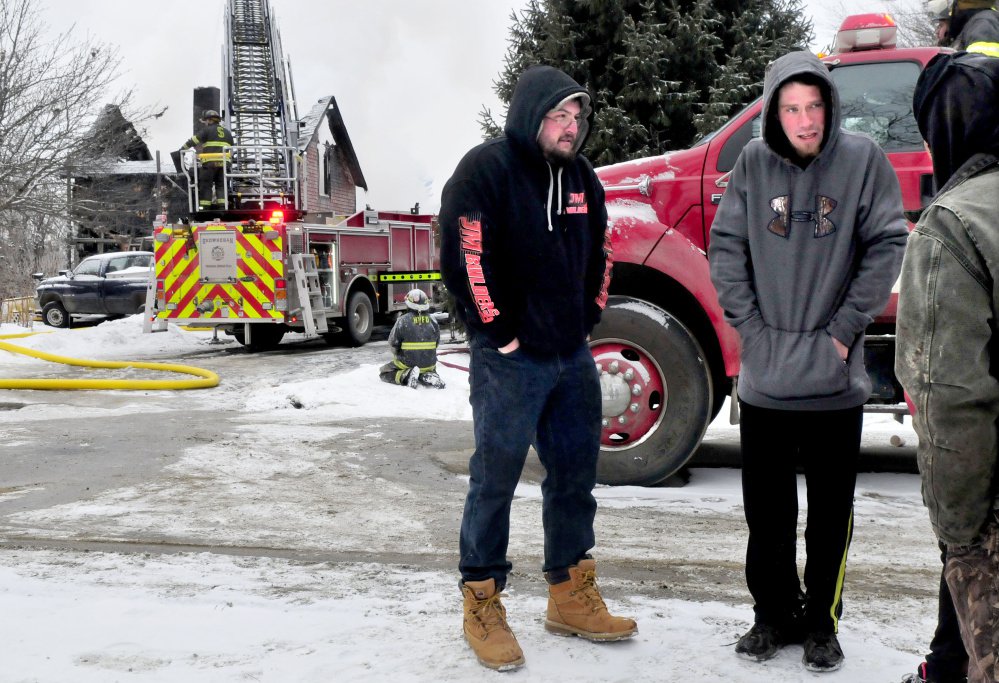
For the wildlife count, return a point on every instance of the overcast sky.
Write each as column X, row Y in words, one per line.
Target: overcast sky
column 410, row 76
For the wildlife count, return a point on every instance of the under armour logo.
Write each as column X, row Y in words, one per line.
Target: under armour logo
column 781, row 223
column 824, row 226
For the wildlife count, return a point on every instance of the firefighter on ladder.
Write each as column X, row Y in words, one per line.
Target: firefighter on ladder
column 414, row 339
column 212, row 142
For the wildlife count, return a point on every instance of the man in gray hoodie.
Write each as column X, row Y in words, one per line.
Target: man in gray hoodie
column 805, row 247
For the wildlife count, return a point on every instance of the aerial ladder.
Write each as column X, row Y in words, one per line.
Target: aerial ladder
column 258, row 97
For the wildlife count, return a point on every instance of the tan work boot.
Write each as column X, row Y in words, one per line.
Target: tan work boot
column 575, row 608
column 486, row 629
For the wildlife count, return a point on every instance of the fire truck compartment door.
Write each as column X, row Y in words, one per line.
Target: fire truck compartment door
column 217, row 249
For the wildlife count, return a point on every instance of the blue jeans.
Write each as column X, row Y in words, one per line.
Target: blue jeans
column 519, row 399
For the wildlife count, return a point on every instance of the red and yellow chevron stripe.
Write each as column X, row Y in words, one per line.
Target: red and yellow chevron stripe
column 251, row 296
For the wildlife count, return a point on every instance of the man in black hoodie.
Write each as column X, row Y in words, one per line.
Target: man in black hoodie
column 947, row 339
column 524, row 253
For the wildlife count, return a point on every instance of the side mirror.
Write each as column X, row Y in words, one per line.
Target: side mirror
column 38, row 276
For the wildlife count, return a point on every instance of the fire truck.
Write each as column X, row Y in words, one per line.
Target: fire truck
column 667, row 357
column 255, row 267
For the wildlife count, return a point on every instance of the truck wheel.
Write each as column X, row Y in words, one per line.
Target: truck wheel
column 656, row 391
column 360, row 319
column 262, row 338
column 55, row 315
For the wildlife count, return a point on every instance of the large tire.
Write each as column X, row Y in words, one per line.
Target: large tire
column 55, row 315
column 656, row 390
column 360, row 319
column 262, row 337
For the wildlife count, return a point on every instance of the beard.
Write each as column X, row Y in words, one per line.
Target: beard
column 557, row 156
column 554, row 154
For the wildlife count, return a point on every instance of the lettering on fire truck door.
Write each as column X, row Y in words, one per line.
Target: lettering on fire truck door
column 217, row 249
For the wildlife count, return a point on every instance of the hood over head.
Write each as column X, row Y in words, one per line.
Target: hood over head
column 955, row 106
column 807, row 68
column 539, row 90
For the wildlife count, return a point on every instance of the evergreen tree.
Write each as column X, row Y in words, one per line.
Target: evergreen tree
column 731, row 89
column 662, row 71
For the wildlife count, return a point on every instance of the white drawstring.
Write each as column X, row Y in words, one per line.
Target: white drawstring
column 551, row 188
column 560, row 168
column 548, row 205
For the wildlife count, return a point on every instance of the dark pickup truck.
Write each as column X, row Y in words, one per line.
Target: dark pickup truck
column 112, row 285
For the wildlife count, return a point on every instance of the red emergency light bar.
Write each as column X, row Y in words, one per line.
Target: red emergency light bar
column 866, row 32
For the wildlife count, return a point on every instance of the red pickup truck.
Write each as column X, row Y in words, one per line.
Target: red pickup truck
column 667, row 357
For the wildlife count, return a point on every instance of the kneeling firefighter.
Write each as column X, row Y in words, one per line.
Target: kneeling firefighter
column 414, row 339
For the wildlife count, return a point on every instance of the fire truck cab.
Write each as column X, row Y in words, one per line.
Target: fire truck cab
column 666, row 355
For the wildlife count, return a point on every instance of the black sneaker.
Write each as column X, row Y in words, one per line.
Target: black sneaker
column 822, row 652
column 759, row 644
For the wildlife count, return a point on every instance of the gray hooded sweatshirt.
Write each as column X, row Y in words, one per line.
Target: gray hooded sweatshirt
column 802, row 253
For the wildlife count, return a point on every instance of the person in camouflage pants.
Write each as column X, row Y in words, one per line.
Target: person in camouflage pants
column 947, row 356
column 972, row 574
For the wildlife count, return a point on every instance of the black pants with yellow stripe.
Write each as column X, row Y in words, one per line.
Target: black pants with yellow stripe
column 775, row 445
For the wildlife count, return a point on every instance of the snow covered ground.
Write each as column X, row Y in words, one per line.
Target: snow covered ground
column 299, row 588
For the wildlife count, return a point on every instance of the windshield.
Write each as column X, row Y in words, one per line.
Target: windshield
column 90, row 266
column 876, row 99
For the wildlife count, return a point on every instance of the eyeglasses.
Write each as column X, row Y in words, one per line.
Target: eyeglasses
column 564, row 119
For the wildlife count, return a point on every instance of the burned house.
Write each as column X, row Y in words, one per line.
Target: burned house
column 119, row 188
column 118, row 192
column 330, row 171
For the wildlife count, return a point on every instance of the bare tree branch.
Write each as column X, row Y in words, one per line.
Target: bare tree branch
column 54, row 97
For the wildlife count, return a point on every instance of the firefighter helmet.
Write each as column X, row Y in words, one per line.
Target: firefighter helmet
column 209, row 114
column 417, row 300
column 939, row 10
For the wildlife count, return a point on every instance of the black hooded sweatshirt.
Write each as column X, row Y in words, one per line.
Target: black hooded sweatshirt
column 946, row 336
column 955, row 113
column 523, row 239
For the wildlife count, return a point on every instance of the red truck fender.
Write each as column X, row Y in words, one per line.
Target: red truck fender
column 685, row 262
column 657, row 385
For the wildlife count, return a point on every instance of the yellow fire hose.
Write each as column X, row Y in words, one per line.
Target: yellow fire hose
column 209, row 378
